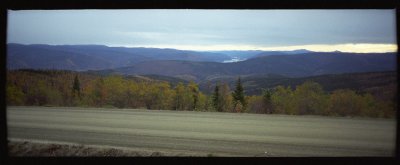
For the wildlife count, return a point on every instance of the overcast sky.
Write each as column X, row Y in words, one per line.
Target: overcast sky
column 344, row 30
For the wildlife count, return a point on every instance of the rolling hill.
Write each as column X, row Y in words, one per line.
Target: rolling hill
column 301, row 65
column 381, row 84
column 95, row 57
column 192, row 65
column 247, row 54
column 262, row 70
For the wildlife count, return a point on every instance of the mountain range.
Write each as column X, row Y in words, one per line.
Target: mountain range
column 95, row 57
column 301, row 65
column 199, row 66
column 363, row 72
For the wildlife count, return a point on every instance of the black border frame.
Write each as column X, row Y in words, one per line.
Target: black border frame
column 201, row 4
column 183, row 4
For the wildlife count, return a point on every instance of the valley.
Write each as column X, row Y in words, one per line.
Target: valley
column 192, row 65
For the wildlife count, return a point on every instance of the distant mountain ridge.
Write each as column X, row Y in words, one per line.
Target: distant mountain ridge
column 241, row 55
column 192, row 65
column 95, row 57
column 301, row 65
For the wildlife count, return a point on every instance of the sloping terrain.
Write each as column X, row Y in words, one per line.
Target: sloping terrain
column 192, row 64
column 311, row 64
column 301, row 65
column 95, row 57
column 35, row 148
column 382, row 85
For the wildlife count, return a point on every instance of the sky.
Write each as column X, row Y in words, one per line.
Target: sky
column 188, row 29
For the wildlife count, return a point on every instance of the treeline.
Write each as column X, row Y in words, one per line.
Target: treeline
column 66, row 88
column 310, row 98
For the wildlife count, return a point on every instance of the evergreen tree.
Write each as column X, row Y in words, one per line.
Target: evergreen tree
column 238, row 95
column 215, row 99
column 99, row 92
column 267, row 103
column 76, row 89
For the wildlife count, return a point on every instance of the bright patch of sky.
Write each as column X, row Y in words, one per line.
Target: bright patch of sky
column 188, row 29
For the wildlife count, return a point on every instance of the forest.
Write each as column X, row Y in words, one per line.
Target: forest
column 68, row 88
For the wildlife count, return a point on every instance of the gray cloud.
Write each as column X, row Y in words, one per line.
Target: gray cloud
column 201, row 27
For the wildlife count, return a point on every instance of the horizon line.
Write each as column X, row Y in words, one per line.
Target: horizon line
column 345, row 48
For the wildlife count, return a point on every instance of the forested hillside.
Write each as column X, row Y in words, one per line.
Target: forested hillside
column 383, row 85
column 95, row 57
column 193, row 65
column 67, row 88
column 299, row 65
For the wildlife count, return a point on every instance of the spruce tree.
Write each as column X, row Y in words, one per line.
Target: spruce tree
column 238, row 95
column 267, row 100
column 99, row 92
column 76, row 89
column 215, row 98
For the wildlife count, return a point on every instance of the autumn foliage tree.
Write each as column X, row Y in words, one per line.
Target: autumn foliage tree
column 15, row 96
column 193, row 89
column 225, row 98
column 222, row 98
column 309, row 98
column 67, row 88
